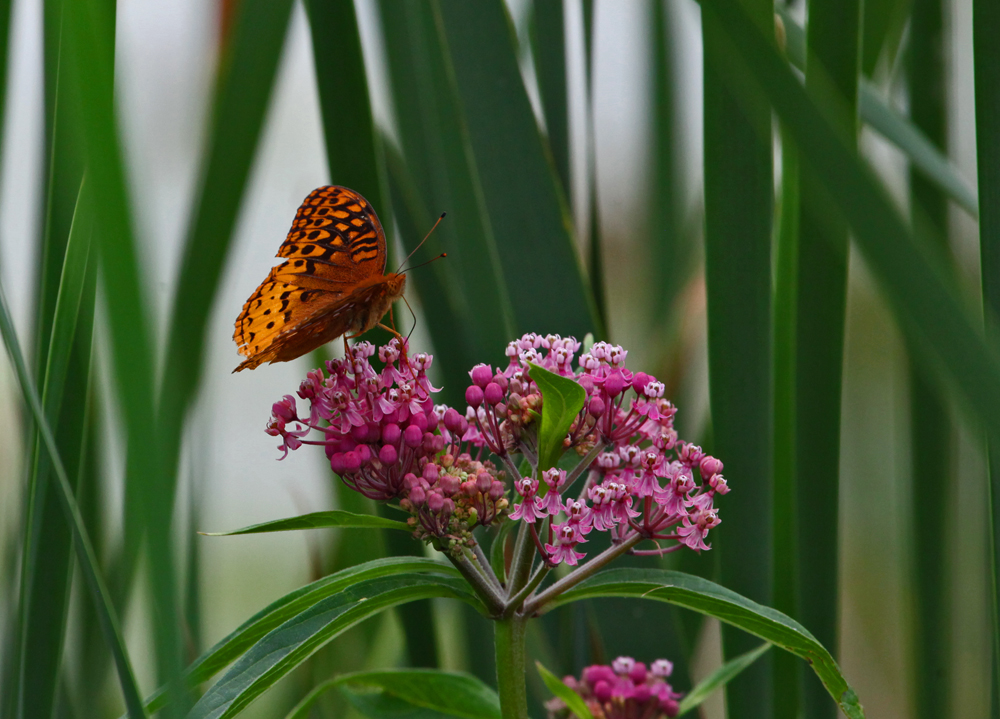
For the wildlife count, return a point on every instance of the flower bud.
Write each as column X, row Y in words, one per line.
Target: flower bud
column 410, row 480
column 501, row 380
column 447, row 508
column 709, row 465
column 602, row 690
column 337, row 463
column 642, row 693
column 614, row 384
column 483, row 482
column 638, row 673
column 469, row 488
column 352, row 463
column 387, row 455
column 453, row 420
column 417, row 496
column 496, row 490
column 364, row 453
column 359, row 434
column 596, row 407
column 449, row 484
column 474, row 396
column 493, row 394
column 413, row 436
column 431, row 473
column 639, row 382
column 435, row 500
column 391, row 433
column 481, row 375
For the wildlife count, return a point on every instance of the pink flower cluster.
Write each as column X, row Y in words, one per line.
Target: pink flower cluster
column 386, row 439
column 625, row 690
column 644, row 479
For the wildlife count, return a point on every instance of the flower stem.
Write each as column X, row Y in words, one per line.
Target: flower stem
column 480, row 584
column 509, row 641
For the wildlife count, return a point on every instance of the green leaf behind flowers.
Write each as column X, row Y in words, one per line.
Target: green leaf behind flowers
column 318, row 520
column 558, row 687
column 420, row 692
column 562, row 400
column 713, row 600
column 719, row 678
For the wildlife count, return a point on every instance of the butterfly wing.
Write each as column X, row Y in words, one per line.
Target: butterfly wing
column 335, row 247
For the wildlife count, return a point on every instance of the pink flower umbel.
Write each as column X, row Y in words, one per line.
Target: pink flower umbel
column 625, row 690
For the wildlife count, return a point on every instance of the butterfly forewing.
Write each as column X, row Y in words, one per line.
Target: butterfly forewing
column 334, row 261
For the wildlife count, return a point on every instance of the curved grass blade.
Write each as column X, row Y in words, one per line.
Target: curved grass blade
column 229, row 648
column 246, row 78
column 719, row 678
column 450, row 694
column 570, row 698
column 47, row 549
column 91, row 63
column 85, row 552
column 562, row 400
column 713, row 600
column 548, row 45
column 318, row 520
column 290, row 644
column 909, row 269
column 897, row 129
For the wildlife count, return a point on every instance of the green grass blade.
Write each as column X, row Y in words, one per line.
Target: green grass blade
column 81, row 542
column 713, row 600
column 540, row 265
column 897, row 129
column 436, row 171
column 48, row 546
column 882, row 25
column 786, row 669
column 909, row 269
column 318, row 520
column 833, row 37
column 91, row 60
column 243, row 89
column 738, row 217
column 719, row 678
column 229, row 648
column 548, row 46
column 352, row 145
column 290, row 644
column 931, row 446
column 986, row 27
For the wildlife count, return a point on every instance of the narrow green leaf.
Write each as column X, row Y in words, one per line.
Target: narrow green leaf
column 448, row 693
column 85, row 552
column 893, row 126
column 719, row 678
column 883, row 25
column 304, row 707
column 227, row 649
column 287, row 646
column 986, row 56
column 91, row 62
column 540, row 265
column 739, row 190
column 570, row 698
column 548, row 46
column 498, row 558
column 727, row 606
column 318, row 520
column 243, row 88
column 562, row 400
column 910, row 270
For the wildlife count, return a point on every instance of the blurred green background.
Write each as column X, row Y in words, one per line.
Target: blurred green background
column 776, row 214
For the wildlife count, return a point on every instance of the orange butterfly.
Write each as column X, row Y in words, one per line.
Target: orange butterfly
column 332, row 281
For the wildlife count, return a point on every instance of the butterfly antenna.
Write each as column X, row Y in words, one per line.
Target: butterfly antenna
column 421, row 243
column 413, row 315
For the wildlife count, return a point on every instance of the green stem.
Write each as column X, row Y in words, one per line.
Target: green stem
column 509, row 642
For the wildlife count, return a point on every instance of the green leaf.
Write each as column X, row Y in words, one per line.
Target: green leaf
column 498, row 559
column 291, row 605
column 318, row 520
column 85, row 551
column 713, row 600
column 719, row 678
column 442, row 693
column 558, row 687
column 562, row 400
column 286, row 647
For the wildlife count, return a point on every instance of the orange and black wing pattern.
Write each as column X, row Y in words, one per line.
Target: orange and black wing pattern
column 333, row 252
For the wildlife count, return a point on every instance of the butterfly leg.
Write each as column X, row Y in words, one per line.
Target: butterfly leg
column 402, row 340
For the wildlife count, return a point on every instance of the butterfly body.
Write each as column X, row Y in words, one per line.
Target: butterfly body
column 332, row 281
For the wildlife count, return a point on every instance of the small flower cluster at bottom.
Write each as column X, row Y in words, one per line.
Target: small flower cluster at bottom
column 625, row 690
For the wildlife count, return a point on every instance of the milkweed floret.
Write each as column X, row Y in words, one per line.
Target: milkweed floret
column 626, row 689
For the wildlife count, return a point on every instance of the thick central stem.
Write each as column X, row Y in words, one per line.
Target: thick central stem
column 509, row 641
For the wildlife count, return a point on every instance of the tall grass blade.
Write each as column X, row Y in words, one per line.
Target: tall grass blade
column 595, row 255
column 81, row 542
column 517, row 179
column 931, row 444
column 548, row 46
column 786, row 669
column 434, row 171
column 91, row 59
column 738, row 216
column 883, row 24
column 985, row 30
column 243, row 88
column 47, row 548
column 832, row 39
